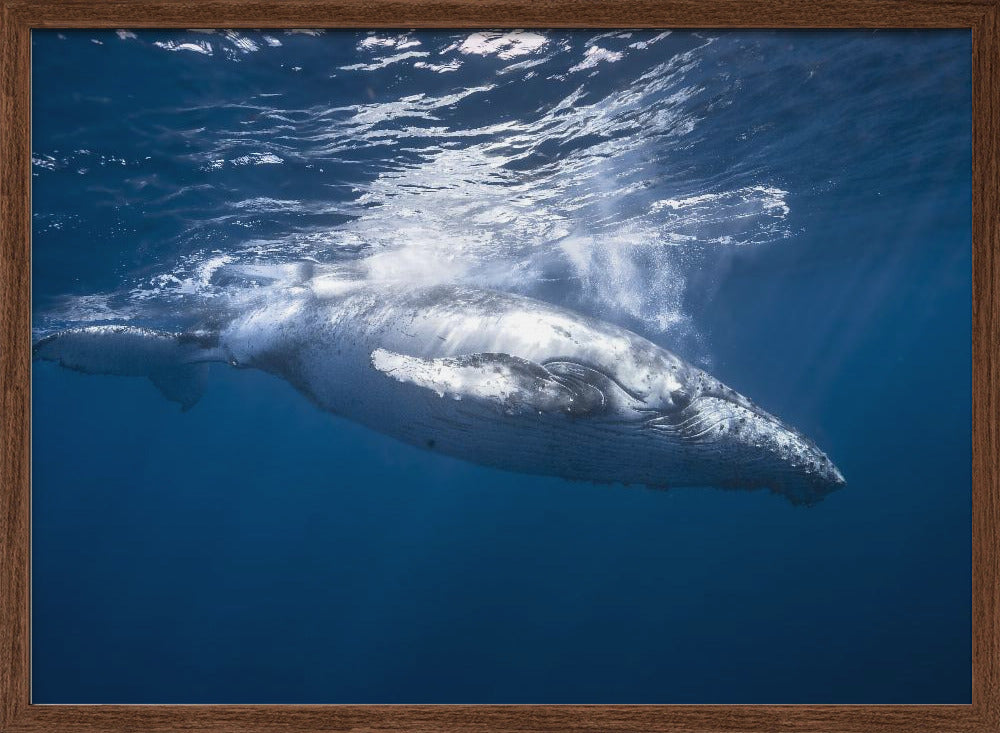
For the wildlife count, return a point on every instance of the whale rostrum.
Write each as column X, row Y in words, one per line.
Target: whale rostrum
column 493, row 378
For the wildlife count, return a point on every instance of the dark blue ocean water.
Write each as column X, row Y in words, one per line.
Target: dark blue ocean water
column 790, row 210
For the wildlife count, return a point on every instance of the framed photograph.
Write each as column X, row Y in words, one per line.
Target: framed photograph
column 499, row 366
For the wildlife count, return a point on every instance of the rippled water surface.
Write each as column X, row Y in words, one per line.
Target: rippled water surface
column 788, row 210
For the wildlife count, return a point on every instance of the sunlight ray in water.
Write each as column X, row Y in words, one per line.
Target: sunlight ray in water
column 588, row 189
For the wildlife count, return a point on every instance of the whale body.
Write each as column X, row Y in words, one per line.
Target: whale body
column 489, row 377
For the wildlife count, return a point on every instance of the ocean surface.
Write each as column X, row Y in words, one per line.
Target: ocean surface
column 788, row 210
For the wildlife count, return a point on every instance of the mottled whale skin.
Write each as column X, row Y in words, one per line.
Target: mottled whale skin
column 488, row 377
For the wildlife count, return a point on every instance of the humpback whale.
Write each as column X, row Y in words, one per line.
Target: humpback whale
column 494, row 378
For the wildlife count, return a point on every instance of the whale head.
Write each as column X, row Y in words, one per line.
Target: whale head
column 738, row 444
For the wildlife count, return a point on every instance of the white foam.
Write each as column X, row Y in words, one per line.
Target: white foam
column 764, row 199
column 386, row 61
column 503, row 45
column 643, row 45
column 515, row 203
column 89, row 309
column 257, row 159
column 453, row 65
column 241, row 43
column 47, row 162
column 594, row 56
column 377, row 42
column 202, row 47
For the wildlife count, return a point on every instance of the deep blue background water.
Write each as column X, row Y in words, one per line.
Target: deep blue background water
column 790, row 210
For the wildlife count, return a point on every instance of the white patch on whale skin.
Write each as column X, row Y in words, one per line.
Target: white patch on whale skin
column 508, row 383
column 438, row 376
column 541, row 335
column 454, row 378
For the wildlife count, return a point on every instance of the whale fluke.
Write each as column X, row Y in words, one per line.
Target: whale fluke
column 174, row 362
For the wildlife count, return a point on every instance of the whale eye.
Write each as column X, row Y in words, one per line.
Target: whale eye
column 680, row 398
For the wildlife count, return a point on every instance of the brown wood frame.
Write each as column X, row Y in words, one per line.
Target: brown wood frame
column 18, row 17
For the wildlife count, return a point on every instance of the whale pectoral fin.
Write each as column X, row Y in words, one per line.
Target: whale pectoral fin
column 175, row 363
column 509, row 383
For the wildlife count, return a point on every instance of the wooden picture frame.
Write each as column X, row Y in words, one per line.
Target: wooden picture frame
column 19, row 17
